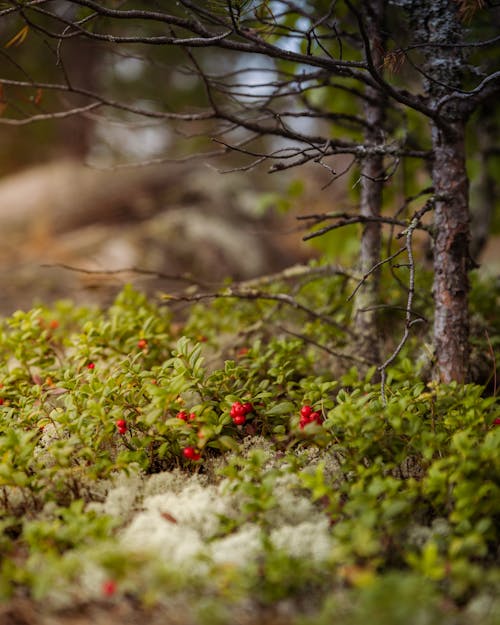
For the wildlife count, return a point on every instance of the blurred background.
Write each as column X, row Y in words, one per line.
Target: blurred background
column 70, row 199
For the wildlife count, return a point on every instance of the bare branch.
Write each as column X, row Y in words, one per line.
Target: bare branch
column 48, row 116
column 324, row 348
column 65, row 88
column 487, row 88
column 253, row 294
column 409, row 322
column 373, row 269
column 346, row 219
column 186, row 277
column 400, row 96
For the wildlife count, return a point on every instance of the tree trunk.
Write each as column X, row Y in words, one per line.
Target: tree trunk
column 451, row 254
column 372, row 171
column 439, row 22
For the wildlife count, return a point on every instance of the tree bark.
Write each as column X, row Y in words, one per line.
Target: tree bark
column 451, row 254
column 372, row 170
column 438, row 22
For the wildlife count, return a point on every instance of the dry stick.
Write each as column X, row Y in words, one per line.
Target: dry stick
column 54, row 115
column 294, row 272
column 259, row 295
column 289, row 273
column 411, row 292
column 348, row 220
column 145, row 272
column 407, row 201
column 374, row 268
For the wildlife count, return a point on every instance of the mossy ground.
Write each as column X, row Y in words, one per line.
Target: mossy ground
column 383, row 511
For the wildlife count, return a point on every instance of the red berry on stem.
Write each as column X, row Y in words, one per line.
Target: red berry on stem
column 91, row 365
column 142, row 343
column 247, row 407
column 191, row 454
column 182, row 415
column 239, row 419
column 496, row 421
column 192, row 416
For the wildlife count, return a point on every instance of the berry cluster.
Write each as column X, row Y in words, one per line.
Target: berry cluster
column 184, row 416
column 191, row 453
column 121, row 424
column 239, row 412
column 309, row 415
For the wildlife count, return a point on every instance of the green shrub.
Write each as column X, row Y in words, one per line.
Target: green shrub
column 405, row 495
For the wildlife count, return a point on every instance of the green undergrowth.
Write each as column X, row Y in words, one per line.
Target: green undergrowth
column 124, row 473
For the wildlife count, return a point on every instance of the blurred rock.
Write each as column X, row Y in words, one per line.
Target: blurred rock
column 172, row 220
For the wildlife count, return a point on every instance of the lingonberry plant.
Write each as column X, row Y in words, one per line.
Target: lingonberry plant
column 184, row 467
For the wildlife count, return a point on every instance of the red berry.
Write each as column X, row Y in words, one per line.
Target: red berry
column 191, row 454
column 182, row 415
column 303, row 422
column 305, row 411
column 192, row 416
column 237, row 409
column 316, row 416
column 247, row 407
column 91, row 365
column 239, row 419
column 53, row 324
column 1, row 401
column 121, row 424
column 108, row 588
column 142, row 343
column 496, row 421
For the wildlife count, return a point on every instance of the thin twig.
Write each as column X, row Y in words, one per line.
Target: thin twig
column 340, row 355
column 374, row 268
column 46, row 116
column 253, row 294
column 137, row 270
column 409, row 302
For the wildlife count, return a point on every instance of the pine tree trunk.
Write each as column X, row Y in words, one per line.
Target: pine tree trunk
column 372, row 170
column 439, row 22
column 451, row 255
